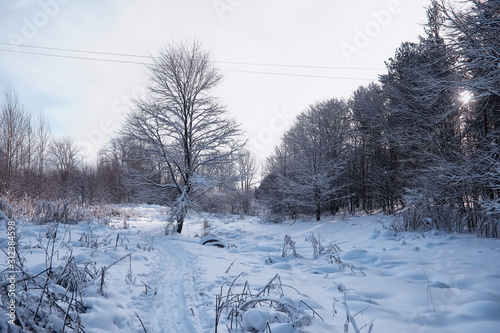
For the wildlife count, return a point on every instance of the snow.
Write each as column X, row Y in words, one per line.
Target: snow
column 256, row 320
column 399, row 282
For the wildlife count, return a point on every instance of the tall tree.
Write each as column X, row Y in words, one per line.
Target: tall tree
column 371, row 173
column 474, row 32
column 179, row 132
column 274, row 191
column 65, row 158
column 304, row 172
column 246, row 169
column 111, row 165
column 422, row 116
column 43, row 137
column 15, row 125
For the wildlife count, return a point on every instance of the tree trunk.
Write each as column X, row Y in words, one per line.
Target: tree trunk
column 180, row 223
column 180, row 216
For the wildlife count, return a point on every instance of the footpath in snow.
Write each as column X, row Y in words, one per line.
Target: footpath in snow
column 175, row 304
column 321, row 273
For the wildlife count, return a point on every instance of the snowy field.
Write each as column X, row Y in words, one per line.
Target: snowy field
column 323, row 273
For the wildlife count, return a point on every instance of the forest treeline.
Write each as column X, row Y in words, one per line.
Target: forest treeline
column 422, row 142
column 35, row 164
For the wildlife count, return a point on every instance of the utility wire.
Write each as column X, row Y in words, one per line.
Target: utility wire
column 297, row 66
column 300, row 75
column 144, row 63
column 221, row 62
column 75, row 57
column 79, row 51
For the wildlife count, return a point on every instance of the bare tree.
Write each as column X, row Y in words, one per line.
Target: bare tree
column 64, row 157
column 15, row 123
column 246, row 170
column 178, row 134
column 111, row 167
column 42, row 133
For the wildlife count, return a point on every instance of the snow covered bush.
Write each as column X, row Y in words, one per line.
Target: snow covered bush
column 48, row 298
column 490, row 225
column 43, row 275
column 422, row 213
column 206, row 227
column 270, row 217
column 267, row 310
column 289, row 245
column 70, row 212
column 317, row 244
column 41, row 211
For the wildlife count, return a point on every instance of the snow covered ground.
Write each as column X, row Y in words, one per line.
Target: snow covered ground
column 390, row 282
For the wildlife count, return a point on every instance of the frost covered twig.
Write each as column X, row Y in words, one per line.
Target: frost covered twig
column 350, row 318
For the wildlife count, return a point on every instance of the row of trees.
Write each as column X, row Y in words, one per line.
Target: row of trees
column 29, row 157
column 304, row 173
column 425, row 138
column 36, row 165
column 176, row 148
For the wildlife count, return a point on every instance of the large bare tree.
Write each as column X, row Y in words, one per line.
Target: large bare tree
column 179, row 135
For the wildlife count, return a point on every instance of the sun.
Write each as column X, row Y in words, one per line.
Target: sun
column 466, row 96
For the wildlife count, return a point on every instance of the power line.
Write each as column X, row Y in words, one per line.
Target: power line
column 300, row 75
column 144, row 63
column 296, row 66
column 75, row 57
column 215, row 61
column 79, row 51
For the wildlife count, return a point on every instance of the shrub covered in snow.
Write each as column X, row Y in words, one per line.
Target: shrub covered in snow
column 267, row 310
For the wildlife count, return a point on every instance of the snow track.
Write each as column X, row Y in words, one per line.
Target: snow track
column 175, row 303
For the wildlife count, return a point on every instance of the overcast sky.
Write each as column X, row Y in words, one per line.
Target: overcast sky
column 335, row 46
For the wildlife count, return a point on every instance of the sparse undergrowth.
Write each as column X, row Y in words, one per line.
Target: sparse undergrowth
column 259, row 311
column 71, row 272
column 50, row 300
column 61, row 211
column 421, row 216
column 51, row 281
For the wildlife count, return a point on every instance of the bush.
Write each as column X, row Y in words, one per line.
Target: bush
column 58, row 211
column 51, row 300
column 260, row 311
column 423, row 214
